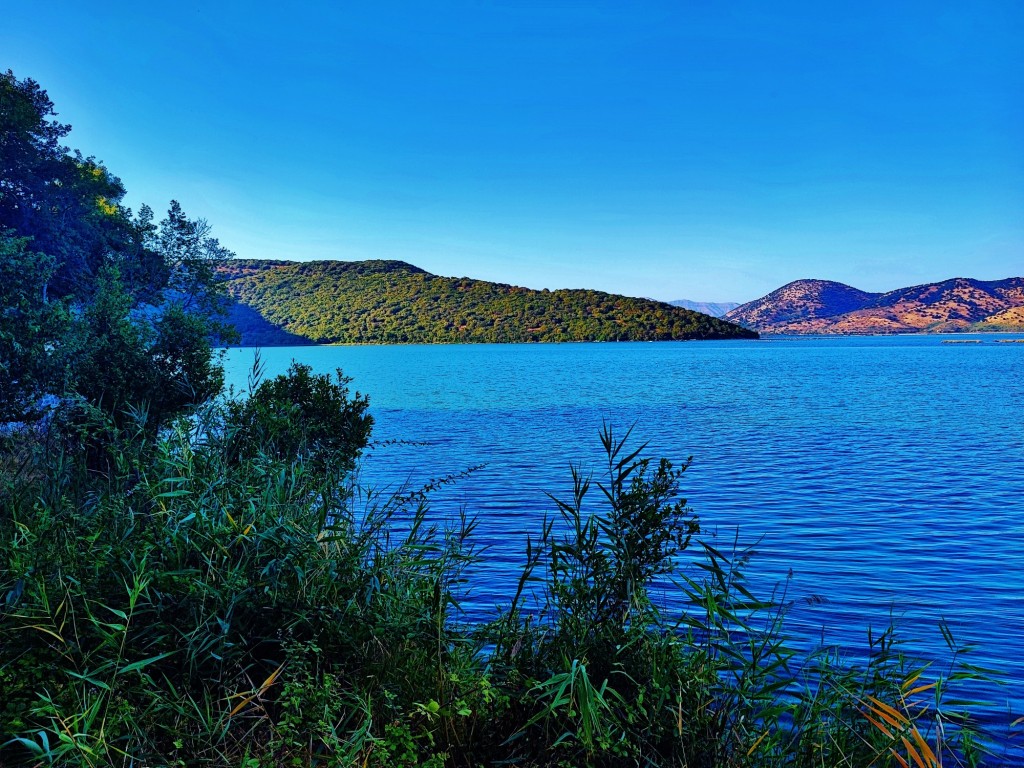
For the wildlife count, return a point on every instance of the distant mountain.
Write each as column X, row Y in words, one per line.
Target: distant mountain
column 799, row 301
column 327, row 302
column 823, row 306
column 713, row 308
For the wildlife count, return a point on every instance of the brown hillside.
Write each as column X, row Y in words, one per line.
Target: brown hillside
column 958, row 304
column 801, row 300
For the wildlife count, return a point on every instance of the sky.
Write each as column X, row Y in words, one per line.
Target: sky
column 705, row 150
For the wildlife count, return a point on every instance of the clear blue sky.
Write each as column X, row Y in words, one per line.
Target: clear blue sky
column 704, row 150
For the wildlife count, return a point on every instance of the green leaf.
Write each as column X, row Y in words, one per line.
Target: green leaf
column 137, row 665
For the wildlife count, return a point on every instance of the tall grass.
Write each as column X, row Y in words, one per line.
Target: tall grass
column 196, row 604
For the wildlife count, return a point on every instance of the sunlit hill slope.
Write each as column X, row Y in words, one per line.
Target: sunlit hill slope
column 822, row 306
column 336, row 302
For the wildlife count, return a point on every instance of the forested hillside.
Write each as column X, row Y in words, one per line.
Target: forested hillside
column 329, row 302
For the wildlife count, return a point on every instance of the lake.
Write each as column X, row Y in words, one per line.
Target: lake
column 878, row 477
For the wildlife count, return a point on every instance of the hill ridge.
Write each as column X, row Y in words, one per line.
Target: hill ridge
column 713, row 308
column 828, row 307
column 390, row 301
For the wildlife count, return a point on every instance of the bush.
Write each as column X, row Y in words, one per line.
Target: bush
column 123, row 362
column 302, row 416
column 195, row 607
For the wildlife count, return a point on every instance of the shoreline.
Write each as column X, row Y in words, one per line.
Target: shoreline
column 763, row 337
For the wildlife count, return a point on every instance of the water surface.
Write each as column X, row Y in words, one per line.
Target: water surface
column 885, row 475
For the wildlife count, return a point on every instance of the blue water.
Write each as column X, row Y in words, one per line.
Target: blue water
column 886, row 474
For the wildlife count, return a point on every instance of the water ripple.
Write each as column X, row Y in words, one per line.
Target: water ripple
column 885, row 474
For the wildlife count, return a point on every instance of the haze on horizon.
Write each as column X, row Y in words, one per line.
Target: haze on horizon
column 672, row 150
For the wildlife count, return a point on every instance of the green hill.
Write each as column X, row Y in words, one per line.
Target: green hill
column 339, row 302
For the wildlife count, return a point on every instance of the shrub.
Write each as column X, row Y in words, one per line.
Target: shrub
column 302, row 416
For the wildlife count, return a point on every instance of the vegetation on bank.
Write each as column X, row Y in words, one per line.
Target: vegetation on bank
column 1008, row 321
column 206, row 598
column 191, row 579
column 95, row 300
column 332, row 302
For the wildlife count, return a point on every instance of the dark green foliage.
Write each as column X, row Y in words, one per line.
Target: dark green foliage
column 193, row 607
column 142, row 267
column 27, row 326
column 97, row 304
column 184, row 364
column 110, row 366
column 302, row 416
column 332, row 302
column 68, row 204
column 118, row 362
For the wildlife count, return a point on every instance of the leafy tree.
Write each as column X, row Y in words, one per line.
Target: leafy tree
column 30, row 150
column 186, row 367
column 70, row 205
column 27, row 325
column 108, row 356
column 144, row 296
column 118, row 361
column 191, row 256
column 143, row 269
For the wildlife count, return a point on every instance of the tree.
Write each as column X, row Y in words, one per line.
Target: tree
column 118, row 359
column 27, row 326
column 30, row 149
column 191, row 256
column 139, row 262
column 70, row 205
column 185, row 366
column 144, row 298
column 108, row 354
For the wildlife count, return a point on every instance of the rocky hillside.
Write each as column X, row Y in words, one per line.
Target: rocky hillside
column 822, row 306
column 800, row 301
column 329, row 302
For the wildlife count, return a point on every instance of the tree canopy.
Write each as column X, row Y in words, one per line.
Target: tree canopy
column 97, row 301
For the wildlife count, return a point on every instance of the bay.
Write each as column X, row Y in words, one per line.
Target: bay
column 877, row 478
